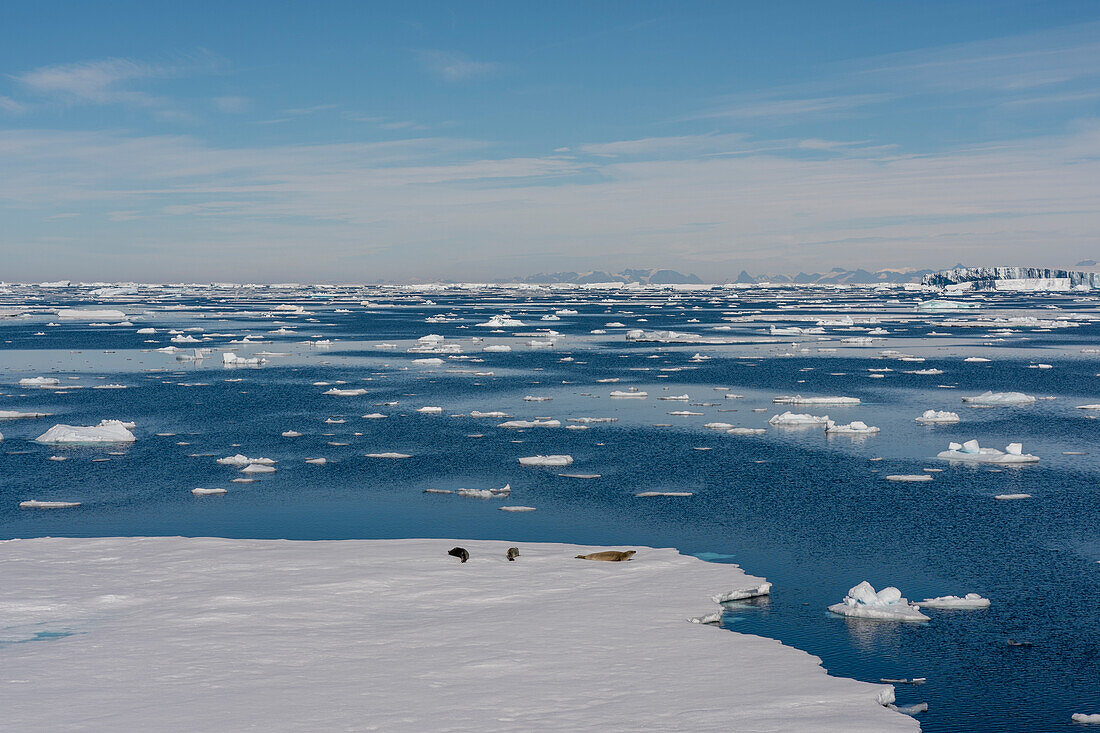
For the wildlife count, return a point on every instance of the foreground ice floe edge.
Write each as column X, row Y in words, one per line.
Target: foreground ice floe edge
column 279, row 635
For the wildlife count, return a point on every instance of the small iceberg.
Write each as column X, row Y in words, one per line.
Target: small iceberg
column 856, row 427
column 501, row 321
column 971, row 452
column 108, row 431
column 317, row 461
column 346, row 392
column 39, row 382
column 388, row 455
column 291, row 434
column 243, row 460
column 746, row 431
column 931, row 417
column 1085, row 717
column 546, row 461
column 16, row 415
column 517, row 508
column 493, row 413
column 208, row 492
column 794, row 419
column 970, row 600
column 909, row 477
column 887, row 604
column 1011, row 497
column 231, row 359
column 632, row 394
column 501, row 493
column 430, row 410
column 997, row 399
column 649, row 494
column 258, row 468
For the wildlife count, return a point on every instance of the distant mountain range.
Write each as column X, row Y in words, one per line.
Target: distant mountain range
column 835, row 276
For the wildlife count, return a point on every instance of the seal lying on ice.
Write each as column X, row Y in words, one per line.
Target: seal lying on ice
column 513, row 553
column 608, row 555
column 460, row 553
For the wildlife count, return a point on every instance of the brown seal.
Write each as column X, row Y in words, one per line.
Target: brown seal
column 513, row 553
column 460, row 553
column 608, row 555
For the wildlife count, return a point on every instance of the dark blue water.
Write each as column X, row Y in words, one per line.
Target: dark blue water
column 812, row 514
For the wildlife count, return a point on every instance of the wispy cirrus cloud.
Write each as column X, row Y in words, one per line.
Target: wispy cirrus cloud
column 10, row 106
column 112, row 80
column 452, row 66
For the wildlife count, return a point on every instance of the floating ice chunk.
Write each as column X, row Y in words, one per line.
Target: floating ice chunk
column 243, row 460
column 1088, row 407
column 500, row 493
column 346, row 392
column 530, row 424
column 649, row 494
column 231, row 359
column 887, row 604
column 16, row 415
column 794, row 419
column 434, row 361
column 977, row 359
column 373, row 416
column 501, row 321
column 588, row 420
column 719, row 426
column 558, row 460
column 999, row 398
column 909, row 477
column 675, row 398
column 39, row 382
column 740, row 594
column 800, row 400
column 944, row 305
column 35, row 504
column 711, row 618
column 291, row 434
column 258, row 468
column 856, row 427
column 685, row 413
column 620, row 394
column 639, row 335
column 388, row 455
column 77, row 314
column 492, row 413
column 185, row 339
column 497, row 347
column 146, row 331
column 534, row 398
column 920, row 707
column 431, row 410
column 970, row 600
column 972, row 453
column 110, row 386
column 929, row 417
column 108, row 431
column 1011, row 497
column 208, row 492
column 540, row 344
column 517, row 508
column 1085, row 717
column 317, row 461
column 923, row 371
column 746, row 431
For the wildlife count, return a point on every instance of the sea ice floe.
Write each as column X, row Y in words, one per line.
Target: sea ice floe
column 258, row 468
column 929, row 417
column 35, row 504
column 517, row 508
column 970, row 600
column 556, row 460
column 675, row 398
column 650, row 494
column 971, row 452
column 909, row 477
column 291, row 434
column 856, row 427
column 530, row 424
column 387, row 455
column 794, row 419
column 317, row 461
column 492, row 413
column 501, row 493
column 208, row 492
column 887, row 604
column 746, row 431
column 107, row 431
column 355, row 392
column 1085, row 717
column 231, row 359
column 1011, row 497
column 373, row 416
column 800, row 400
column 77, row 314
column 39, row 382
column 740, row 594
column 243, row 460
column 501, row 321
column 16, row 415
column 999, row 398
column 430, row 410
column 630, row 394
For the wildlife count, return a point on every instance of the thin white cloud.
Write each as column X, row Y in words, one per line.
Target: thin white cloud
column 453, row 66
column 10, row 106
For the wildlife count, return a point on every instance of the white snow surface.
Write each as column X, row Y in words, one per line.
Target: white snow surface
column 395, row 635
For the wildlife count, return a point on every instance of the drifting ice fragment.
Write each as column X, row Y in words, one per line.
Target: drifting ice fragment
column 557, row 460
column 999, row 398
column 929, row 417
column 34, row 504
column 740, row 594
column 970, row 600
column 887, row 604
column 108, row 431
column 970, row 452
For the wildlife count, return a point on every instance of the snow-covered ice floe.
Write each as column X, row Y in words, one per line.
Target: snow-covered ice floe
column 1085, row 717
column 231, row 359
column 16, row 415
column 800, row 400
column 208, row 492
column 650, row 494
column 971, row 452
column 39, row 382
column 930, row 417
column 998, row 399
column 915, row 478
column 358, row 630
column 970, row 600
column 241, row 460
column 77, row 314
column 35, row 504
column 518, row 424
column 746, row 431
column 108, row 431
column 1011, row 497
column 887, row 604
column 387, row 455
column 558, row 460
column 740, row 594
column 796, row 419
column 629, row 394
column 856, row 427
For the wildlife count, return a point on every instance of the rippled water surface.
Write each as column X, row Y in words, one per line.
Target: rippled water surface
column 812, row 513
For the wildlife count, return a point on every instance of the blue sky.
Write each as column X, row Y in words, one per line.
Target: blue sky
column 354, row 141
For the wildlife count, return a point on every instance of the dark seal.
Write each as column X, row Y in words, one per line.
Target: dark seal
column 513, row 553
column 460, row 553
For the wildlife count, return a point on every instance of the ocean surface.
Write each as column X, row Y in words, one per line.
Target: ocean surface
column 812, row 513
